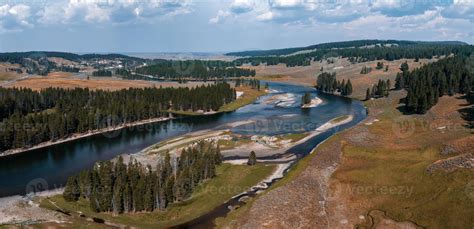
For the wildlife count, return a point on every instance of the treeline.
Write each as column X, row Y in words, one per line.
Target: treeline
column 30, row 117
column 120, row 188
column 339, row 45
column 194, row 69
column 253, row 83
column 38, row 62
column 102, row 72
column 429, row 82
column 419, row 50
column 123, row 72
column 327, row 83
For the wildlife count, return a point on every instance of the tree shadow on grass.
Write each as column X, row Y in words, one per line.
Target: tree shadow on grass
column 403, row 108
column 467, row 112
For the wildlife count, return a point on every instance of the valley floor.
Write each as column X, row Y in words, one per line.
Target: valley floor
column 392, row 170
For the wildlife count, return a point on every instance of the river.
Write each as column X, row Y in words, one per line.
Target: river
column 48, row 168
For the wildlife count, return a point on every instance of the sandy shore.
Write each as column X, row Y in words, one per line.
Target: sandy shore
column 325, row 127
column 24, row 210
column 82, row 135
column 314, row 103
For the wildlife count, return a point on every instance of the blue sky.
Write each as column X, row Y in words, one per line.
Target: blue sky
column 219, row 26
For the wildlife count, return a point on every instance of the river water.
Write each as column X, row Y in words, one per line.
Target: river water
column 48, row 168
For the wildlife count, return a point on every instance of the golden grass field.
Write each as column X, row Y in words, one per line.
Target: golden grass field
column 307, row 75
column 67, row 80
column 8, row 75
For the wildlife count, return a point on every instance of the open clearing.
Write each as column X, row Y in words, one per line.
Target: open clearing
column 375, row 175
column 68, row 80
column 5, row 74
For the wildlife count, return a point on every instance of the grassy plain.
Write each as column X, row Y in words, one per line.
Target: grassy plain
column 306, row 75
column 68, row 80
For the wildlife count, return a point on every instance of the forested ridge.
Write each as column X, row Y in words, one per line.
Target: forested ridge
column 338, row 45
column 429, row 82
column 120, row 188
column 194, row 69
column 363, row 54
column 37, row 62
column 31, row 117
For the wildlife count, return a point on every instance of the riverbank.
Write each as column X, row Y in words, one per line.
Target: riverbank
column 230, row 180
column 376, row 167
column 25, row 210
column 244, row 95
column 83, row 135
column 246, row 116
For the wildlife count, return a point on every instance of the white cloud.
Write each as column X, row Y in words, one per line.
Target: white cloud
column 267, row 16
column 113, row 11
column 241, row 6
column 286, row 3
column 14, row 18
column 460, row 9
column 220, row 15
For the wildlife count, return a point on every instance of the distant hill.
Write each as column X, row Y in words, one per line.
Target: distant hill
column 339, row 45
column 65, row 55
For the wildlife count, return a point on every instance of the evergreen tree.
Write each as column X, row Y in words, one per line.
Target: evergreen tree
column 71, row 192
column 252, row 158
column 368, row 95
column 306, row 99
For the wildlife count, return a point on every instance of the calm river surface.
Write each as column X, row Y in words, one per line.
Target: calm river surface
column 49, row 167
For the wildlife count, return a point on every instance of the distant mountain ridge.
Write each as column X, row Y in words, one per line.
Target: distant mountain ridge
column 64, row 55
column 340, row 44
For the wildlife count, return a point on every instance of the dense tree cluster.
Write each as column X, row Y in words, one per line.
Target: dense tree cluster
column 30, row 117
column 379, row 65
column 120, row 188
column 194, row 69
column 327, row 83
column 123, row 72
column 366, row 70
column 253, row 83
column 102, row 72
column 382, row 88
column 64, row 68
column 425, row 84
column 339, row 45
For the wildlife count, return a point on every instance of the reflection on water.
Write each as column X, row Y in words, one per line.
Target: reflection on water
column 55, row 163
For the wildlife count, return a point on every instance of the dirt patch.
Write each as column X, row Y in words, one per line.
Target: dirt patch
column 61, row 61
column 464, row 161
column 6, row 74
column 302, row 203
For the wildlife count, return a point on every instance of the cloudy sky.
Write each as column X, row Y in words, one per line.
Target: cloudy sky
column 227, row 25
